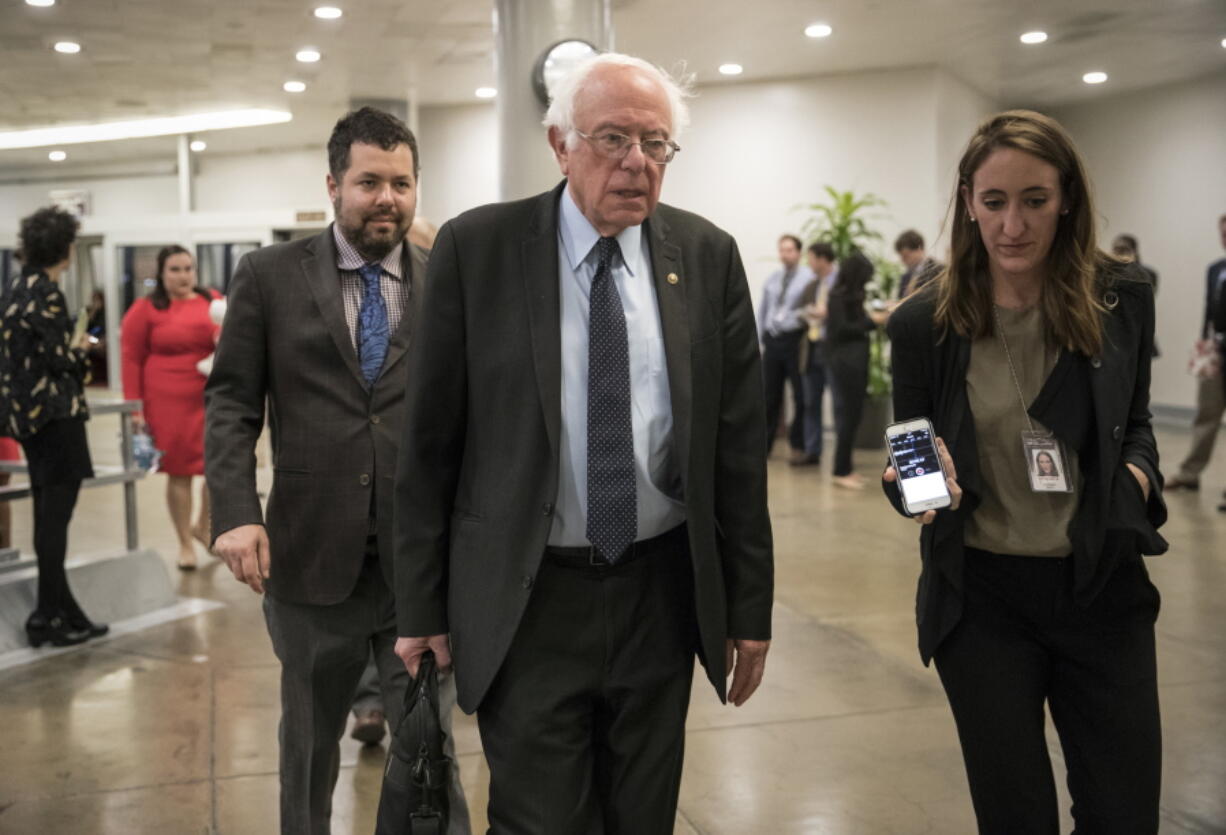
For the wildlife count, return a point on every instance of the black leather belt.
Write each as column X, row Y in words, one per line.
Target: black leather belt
column 588, row 556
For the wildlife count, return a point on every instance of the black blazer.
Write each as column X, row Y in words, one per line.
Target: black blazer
column 334, row 440
column 478, row 473
column 847, row 329
column 1113, row 521
column 1215, row 308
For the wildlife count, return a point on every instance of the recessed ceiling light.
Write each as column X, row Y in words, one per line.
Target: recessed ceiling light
column 308, row 56
column 1223, row 43
column 818, row 30
column 57, row 156
column 41, row 3
column 1094, row 77
column 731, row 69
column 140, row 128
column 68, row 47
column 485, row 92
column 1034, row 37
column 328, row 12
column 198, row 145
column 293, row 86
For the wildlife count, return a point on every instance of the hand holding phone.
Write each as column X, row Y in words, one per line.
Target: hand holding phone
column 924, row 469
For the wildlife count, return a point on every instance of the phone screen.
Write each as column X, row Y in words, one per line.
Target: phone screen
column 919, row 469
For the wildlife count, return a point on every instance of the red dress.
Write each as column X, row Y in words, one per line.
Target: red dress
column 160, row 352
column 10, row 450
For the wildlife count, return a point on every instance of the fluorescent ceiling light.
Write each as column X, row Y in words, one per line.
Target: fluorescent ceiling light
column 198, row 145
column 731, row 69
column 68, row 47
column 1034, row 37
column 1094, row 77
column 818, row 30
column 42, row 3
column 328, row 12
column 308, row 56
column 485, row 92
column 57, row 156
column 293, row 86
column 140, row 128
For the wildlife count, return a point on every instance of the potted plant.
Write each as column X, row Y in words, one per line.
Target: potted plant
column 843, row 222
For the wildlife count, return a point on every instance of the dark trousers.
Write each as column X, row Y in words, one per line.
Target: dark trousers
column 781, row 364
column 53, row 506
column 848, row 368
column 814, row 384
column 1023, row 642
column 584, row 726
column 323, row 651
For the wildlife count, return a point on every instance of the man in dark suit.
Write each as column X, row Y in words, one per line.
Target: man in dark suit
column 581, row 498
column 1210, row 399
column 319, row 329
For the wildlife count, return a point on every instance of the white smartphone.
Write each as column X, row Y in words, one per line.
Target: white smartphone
column 921, row 478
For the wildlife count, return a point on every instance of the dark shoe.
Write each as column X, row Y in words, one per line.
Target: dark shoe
column 56, row 630
column 95, row 630
column 1181, row 483
column 368, row 728
column 804, row 460
column 1221, row 508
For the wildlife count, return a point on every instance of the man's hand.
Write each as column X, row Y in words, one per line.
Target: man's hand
column 410, row 651
column 245, row 551
column 750, row 658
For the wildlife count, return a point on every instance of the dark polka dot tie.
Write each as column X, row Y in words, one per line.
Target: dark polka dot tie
column 373, row 334
column 612, row 512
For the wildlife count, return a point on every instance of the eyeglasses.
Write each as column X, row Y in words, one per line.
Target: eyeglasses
column 616, row 145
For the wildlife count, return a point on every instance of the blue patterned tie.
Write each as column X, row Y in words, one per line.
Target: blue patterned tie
column 612, row 512
column 372, row 323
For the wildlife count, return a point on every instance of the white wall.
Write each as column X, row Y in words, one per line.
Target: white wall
column 1158, row 163
column 459, row 159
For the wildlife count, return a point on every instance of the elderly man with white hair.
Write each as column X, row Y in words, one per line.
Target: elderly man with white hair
column 581, row 500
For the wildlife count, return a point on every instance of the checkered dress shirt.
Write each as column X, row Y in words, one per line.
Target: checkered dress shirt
column 396, row 290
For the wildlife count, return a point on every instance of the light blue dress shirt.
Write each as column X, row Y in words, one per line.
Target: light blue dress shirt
column 657, row 480
column 779, row 312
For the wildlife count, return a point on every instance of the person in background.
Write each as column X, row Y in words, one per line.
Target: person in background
column 1126, row 248
column 920, row 269
column 1210, row 402
column 812, row 354
column 44, row 376
column 846, row 349
column 781, row 330
column 96, row 328
column 163, row 337
column 10, row 452
column 1031, row 597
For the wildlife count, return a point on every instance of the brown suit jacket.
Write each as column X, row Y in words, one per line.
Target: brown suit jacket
column 334, row 440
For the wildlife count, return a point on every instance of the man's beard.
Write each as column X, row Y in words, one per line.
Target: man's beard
column 371, row 246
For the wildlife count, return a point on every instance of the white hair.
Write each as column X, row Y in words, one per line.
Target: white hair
column 561, row 113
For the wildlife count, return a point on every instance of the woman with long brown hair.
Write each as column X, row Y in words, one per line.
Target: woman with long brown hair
column 164, row 336
column 1033, row 592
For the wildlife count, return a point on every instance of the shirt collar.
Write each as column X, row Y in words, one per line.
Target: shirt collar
column 348, row 258
column 579, row 237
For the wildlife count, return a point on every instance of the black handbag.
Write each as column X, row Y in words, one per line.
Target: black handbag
column 415, row 781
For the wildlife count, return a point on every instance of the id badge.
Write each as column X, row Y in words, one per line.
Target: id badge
column 1045, row 463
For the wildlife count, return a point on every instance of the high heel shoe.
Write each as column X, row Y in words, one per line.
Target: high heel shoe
column 95, row 630
column 55, row 630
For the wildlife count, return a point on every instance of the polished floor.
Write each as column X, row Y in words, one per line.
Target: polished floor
column 173, row 729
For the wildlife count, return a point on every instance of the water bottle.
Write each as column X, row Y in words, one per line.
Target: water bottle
column 144, row 454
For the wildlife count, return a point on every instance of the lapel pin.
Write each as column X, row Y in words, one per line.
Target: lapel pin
column 672, row 278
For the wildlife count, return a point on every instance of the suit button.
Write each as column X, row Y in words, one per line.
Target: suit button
column 547, row 508
column 1096, row 362
column 364, row 479
column 375, row 419
column 527, row 583
column 1117, row 433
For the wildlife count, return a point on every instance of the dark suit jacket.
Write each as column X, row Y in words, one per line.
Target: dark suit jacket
column 1214, row 307
column 847, row 330
column 478, row 473
column 1113, row 522
column 334, row 440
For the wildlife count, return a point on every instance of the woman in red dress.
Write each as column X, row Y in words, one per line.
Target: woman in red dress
column 164, row 336
column 10, row 450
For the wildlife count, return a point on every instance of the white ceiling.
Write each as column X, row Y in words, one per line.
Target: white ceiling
column 163, row 57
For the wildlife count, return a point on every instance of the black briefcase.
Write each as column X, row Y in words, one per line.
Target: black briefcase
column 415, row 781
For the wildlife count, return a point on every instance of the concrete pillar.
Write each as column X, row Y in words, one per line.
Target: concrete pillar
column 523, row 30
